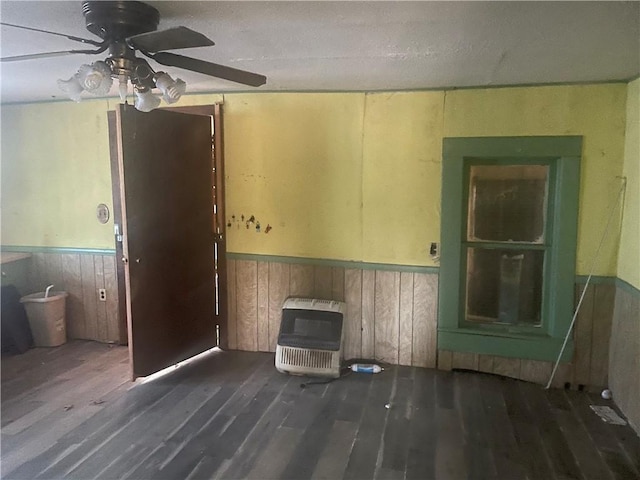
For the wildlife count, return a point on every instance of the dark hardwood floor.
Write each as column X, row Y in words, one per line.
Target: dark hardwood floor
column 70, row 412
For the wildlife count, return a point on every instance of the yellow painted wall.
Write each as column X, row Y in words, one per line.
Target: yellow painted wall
column 55, row 171
column 629, row 255
column 596, row 112
column 402, row 170
column 348, row 176
column 294, row 161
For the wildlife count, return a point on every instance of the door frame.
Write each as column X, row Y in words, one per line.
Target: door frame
column 214, row 111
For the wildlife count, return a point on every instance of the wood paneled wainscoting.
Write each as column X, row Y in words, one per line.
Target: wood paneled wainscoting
column 391, row 313
column 392, row 317
column 588, row 367
column 81, row 274
column 624, row 357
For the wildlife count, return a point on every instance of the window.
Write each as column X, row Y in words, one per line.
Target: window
column 509, row 223
column 504, row 243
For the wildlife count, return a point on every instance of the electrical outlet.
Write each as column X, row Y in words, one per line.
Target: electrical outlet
column 434, row 251
column 102, row 294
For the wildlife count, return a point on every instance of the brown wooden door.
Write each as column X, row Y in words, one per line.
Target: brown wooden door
column 168, row 240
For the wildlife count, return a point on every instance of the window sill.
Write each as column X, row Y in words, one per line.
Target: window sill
column 504, row 344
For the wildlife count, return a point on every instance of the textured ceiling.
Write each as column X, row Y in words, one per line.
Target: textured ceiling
column 355, row 45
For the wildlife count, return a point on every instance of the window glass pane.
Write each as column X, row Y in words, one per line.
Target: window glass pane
column 507, row 203
column 504, row 286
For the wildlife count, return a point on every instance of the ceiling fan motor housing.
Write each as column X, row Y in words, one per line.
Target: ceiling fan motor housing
column 118, row 20
column 114, row 22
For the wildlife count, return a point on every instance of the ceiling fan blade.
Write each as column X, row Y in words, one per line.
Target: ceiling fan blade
column 34, row 56
column 169, row 39
column 70, row 37
column 208, row 68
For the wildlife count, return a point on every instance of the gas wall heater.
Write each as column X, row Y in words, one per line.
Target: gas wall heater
column 310, row 338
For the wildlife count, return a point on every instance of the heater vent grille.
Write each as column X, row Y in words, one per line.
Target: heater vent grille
column 306, row 358
column 305, row 361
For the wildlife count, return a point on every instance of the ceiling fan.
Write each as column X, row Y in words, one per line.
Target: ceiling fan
column 127, row 27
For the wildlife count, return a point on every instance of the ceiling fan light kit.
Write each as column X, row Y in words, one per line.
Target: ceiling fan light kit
column 95, row 79
column 126, row 27
column 146, row 101
column 171, row 89
column 72, row 88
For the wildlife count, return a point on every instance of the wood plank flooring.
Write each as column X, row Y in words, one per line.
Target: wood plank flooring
column 70, row 412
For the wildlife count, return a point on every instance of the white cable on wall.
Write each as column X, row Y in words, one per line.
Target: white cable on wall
column 586, row 285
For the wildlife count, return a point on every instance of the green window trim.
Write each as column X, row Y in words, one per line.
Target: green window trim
column 563, row 155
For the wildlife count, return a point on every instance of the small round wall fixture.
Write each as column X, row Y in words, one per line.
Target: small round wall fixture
column 102, row 212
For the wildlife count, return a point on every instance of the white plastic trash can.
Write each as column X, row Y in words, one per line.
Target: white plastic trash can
column 46, row 318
